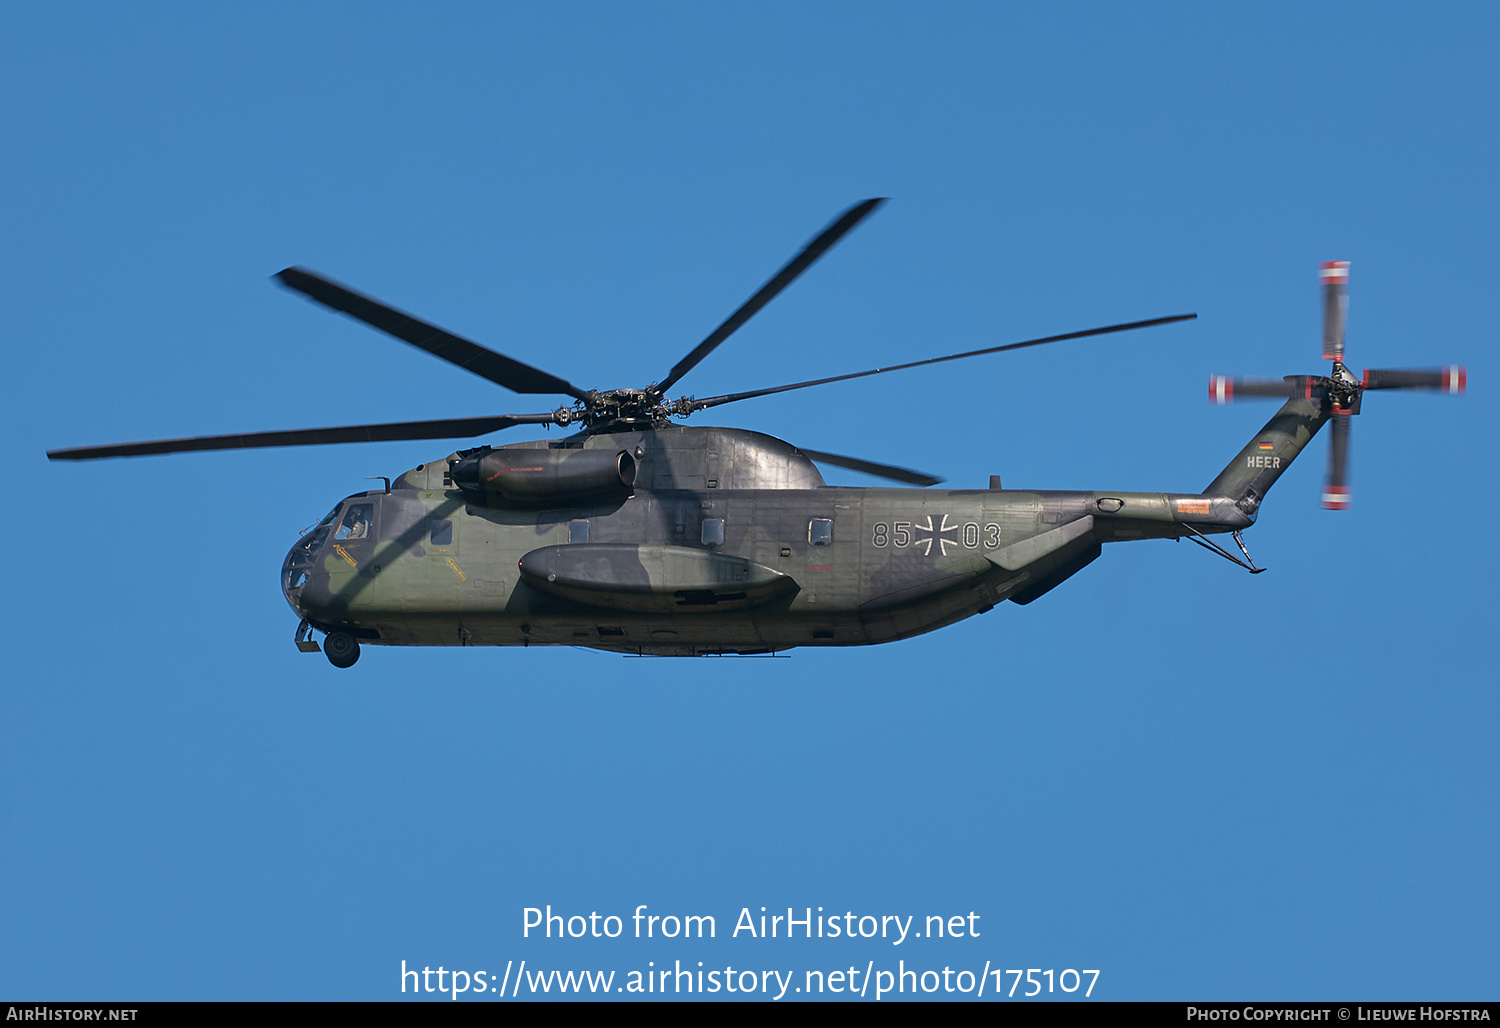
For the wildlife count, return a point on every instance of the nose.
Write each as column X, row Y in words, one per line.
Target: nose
column 299, row 566
column 293, row 578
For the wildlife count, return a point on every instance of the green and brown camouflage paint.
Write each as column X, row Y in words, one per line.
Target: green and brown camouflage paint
column 722, row 541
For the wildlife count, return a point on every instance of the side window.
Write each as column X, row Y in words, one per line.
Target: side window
column 578, row 531
column 713, row 531
column 442, row 533
column 820, row 531
column 357, row 522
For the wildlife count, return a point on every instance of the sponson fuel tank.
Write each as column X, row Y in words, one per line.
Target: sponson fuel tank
column 652, row 578
column 544, row 478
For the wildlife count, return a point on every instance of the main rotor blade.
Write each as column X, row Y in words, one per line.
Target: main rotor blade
column 714, row 401
column 1335, row 276
column 484, row 362
column 783, row 278
column 445, row 428
column 1452, row 379
column 1336, row 488
column 869, row 467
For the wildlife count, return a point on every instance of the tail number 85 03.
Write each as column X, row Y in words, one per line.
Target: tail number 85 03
column 923, row 533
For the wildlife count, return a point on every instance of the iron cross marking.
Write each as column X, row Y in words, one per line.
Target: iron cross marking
column 936, row 534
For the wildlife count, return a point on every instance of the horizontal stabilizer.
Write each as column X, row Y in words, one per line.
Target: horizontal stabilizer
column 1019, row 555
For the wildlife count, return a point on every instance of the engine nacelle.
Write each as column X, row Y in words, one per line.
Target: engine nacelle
column 545, row 478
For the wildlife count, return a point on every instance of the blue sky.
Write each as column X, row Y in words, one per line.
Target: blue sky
column 1203, row 784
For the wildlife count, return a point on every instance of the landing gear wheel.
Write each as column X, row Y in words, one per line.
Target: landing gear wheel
column 341, row 648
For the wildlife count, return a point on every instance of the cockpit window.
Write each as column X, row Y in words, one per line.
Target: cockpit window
column 442, row 533
column 356, row 523
column 306, row 550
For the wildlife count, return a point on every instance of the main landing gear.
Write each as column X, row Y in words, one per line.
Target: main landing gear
column 341, row 649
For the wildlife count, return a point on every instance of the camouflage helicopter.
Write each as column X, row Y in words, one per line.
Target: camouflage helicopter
column 642, row 536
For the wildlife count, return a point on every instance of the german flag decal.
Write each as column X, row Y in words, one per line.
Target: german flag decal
column 1266, row 447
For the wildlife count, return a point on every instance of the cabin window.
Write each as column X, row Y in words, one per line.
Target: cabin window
column 820, row 531
column 357, row 522
column 578, row 531
column 442, row 533
column 713, row 531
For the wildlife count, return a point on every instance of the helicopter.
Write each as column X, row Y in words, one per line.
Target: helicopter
column 640, row 535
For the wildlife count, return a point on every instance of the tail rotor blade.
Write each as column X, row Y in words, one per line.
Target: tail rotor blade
column 1336, row 490
column 1452, row 379
column 1335, row 275
column 1222, row 389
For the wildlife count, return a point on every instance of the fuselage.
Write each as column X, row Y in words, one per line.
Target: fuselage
column 726, row 542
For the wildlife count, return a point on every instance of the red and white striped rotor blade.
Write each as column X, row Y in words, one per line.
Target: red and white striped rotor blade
column 1336, row 487
column 1452, row 379
column 1223, row 389
column 1335, row 278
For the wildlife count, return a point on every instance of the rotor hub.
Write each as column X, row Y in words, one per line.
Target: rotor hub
column 635, row 407
column 1344, row 390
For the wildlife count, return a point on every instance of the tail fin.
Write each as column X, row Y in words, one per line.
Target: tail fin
column 1251, row 474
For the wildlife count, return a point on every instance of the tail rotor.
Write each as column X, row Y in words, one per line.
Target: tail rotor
column 1339, row 393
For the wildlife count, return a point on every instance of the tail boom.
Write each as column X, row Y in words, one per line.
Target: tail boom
column 1271, row 451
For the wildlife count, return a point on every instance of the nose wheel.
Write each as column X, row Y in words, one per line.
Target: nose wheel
column 341, row 648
